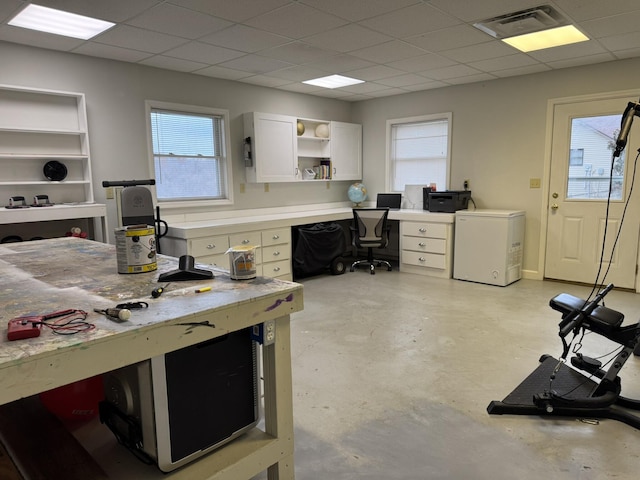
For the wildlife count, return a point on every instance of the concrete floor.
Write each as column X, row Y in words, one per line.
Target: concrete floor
column 393, row 372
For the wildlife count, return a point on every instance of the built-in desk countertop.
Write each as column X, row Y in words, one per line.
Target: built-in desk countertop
column 426, row 243
column 45, row 276
column 243, row 222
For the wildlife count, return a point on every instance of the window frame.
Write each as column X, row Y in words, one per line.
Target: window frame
column 417, row 119
column 226, row 164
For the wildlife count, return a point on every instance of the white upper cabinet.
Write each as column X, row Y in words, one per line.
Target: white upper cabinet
column 280, row 148
column 346, row 151
column 272, row 151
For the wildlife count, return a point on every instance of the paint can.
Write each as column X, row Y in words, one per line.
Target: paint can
column 136, row 249
column 242, row 264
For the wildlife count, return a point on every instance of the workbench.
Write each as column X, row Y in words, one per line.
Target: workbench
column 71, row 273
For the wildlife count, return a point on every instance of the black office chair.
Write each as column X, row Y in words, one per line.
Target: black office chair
column 370, row 230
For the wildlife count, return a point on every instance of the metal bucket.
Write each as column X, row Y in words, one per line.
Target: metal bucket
column 242, row 264
column 136, row 249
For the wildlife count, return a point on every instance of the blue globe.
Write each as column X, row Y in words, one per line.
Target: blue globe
column 357, row 193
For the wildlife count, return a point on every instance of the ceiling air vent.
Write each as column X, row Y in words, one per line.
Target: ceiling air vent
column 525, row 21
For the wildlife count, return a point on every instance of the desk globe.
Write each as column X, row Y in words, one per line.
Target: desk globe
column 357, row 193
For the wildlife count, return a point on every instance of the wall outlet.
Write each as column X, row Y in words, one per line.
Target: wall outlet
column 264, row 333
column 466, row 184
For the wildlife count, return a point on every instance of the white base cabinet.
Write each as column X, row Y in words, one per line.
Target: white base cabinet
column 272, row 257
column 426, row 248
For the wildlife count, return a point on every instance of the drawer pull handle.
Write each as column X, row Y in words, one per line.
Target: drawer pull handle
column 276, row 269
column 276, row 237
column 275, row 254
column 422, row 244
column 211, row 246
column 422, row 259
column 422, row 230
column 245, row 241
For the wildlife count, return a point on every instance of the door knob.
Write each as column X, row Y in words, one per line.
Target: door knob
column 554, row 206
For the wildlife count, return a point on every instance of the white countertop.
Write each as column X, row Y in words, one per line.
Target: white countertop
column 187, row 230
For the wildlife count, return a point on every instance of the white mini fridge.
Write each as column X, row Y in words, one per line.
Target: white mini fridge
column 488, row 246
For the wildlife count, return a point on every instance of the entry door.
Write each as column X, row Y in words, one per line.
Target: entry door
column 581, row 157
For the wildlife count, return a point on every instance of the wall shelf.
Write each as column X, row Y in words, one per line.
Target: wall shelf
column 38, row 126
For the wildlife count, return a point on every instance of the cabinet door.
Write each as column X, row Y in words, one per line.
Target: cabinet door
column 274, row 141
column 346, row 151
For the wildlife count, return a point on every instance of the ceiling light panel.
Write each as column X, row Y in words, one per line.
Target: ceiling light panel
column 49, row 20
column 333, row 81
column 555, row 37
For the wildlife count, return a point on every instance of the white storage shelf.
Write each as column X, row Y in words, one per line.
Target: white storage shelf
column 314, row 151
column 38, row 126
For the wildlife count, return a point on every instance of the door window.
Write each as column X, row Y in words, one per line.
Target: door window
column 591, row 173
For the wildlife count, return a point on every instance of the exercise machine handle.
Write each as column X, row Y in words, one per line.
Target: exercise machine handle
column 574, row 321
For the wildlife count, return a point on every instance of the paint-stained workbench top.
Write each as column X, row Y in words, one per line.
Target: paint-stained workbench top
column 45, row 276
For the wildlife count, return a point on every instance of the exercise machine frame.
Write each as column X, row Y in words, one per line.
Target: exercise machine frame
column 588, row 390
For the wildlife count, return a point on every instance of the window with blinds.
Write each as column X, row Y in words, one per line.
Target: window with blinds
column 419, row 151
column 188, row 155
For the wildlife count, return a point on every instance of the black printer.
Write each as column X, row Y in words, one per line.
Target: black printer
column 448, row 201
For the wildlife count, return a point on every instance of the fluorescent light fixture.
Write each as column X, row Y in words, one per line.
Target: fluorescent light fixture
column 554, row 37
column 333, row 81
column 49, row 20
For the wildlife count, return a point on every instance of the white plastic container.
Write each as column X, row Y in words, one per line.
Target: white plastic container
column 242, row 265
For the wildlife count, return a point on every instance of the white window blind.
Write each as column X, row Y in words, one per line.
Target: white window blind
column 189, row 155
column 419, row 153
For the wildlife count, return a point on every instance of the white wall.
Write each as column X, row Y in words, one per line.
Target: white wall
column 115, row 96
column 498, row 135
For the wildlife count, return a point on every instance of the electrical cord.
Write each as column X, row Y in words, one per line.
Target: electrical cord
column 70, row 324
column 597, row 282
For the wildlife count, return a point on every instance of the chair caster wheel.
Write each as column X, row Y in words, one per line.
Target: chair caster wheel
column 372, row 270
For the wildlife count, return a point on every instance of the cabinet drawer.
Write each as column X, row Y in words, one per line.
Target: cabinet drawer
column 429, row 245
column 246, row 238
column 424, row 229
column 206, row 246
column 275, row 253
column 276, row 269
column 276, row 236
column 422, row 259
column 220, row 261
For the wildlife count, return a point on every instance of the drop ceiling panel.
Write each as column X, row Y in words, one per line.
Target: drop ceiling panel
column 276, row 43
column 296, row 21
column 94, row 49
column 614, row 25
column 245, row 39
column 178, row 21
column 348, row 38
column 410, row 21
column 388, row 52
column 255, row 64
column 126, row 36
column 356, row 10
column 233, row 10
column 449, row 38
